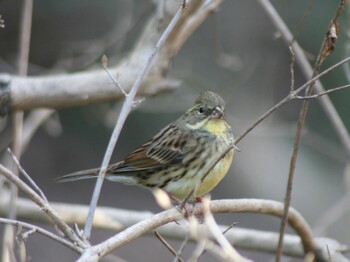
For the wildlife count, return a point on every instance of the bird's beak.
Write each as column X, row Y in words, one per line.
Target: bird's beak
column 217, row 113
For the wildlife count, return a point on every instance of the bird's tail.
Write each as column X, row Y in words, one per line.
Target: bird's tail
column 85, row 174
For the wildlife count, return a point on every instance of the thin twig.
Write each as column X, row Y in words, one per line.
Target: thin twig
column 52, row 214
column 127, row 106
column 307, row 70
column 30, row 180
column 183, row 244
column 115, row 82
column 17, row 118
column 301, row 22
column 325, row 51
column 292, row 63
column 288, row 98
column 168, row 246
column 229, row 228
column 323, row 93
column 42, row 231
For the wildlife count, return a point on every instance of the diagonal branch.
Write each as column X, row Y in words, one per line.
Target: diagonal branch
column 52, row 214
column 64, row 90
column 307, row 70
column 43, row 232
column 326, row 50
column 291, row 96
column 127, row 106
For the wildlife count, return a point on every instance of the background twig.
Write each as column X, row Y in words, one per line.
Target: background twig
column 325, row 51
column 307, row 70
column 17, row 125
column 127, row 106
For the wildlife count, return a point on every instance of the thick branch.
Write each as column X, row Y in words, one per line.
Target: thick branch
column 118, row 219
column 56, row 91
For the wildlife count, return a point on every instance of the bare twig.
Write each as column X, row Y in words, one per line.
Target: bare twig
column 292, row 63
column 21, row 238
column 17, row 118
column 115, row 82
column 290, row 97
column 307, row 70
column 30, row 180
column 324, row 93
column 301, row 21
column 81, row 88
column 229, row 228
column 42, row 231
column 52, row 214
column 179, row 252
column 127, row 106
column 326, row 49
column 169, row 247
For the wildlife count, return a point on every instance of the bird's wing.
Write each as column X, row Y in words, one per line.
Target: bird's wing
column 168, row 147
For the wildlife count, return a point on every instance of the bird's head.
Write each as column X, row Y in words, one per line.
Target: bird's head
column 208, row 109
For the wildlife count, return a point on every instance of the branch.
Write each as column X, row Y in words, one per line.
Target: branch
column 220, row 206
column 41, row 231
column 57, row 91
column 329, row 91
column 117, row 219
column 52, row 214
column 25, row 174
column 17, row 124
column 307, row 70
column 226, row 248
column 291, row 96
column 127, row 106
column 326, row 50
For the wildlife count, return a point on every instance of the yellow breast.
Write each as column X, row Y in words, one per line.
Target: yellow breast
column 218, row 127
column 216, row 175
column 183, row 186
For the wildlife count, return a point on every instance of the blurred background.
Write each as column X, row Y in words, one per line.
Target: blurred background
column 236, row 53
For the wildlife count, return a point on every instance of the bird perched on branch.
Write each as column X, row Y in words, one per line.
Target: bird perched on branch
column 192, row 154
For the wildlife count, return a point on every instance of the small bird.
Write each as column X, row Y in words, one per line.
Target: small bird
column 192, row 153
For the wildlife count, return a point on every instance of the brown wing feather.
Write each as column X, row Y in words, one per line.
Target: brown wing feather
column 166, row 148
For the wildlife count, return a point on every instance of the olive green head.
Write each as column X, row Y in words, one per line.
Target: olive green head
column 207, row 106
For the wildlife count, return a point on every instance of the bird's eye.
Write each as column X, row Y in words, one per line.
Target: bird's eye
column 201, row 110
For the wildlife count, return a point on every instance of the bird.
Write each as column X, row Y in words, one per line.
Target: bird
column 190, row 155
